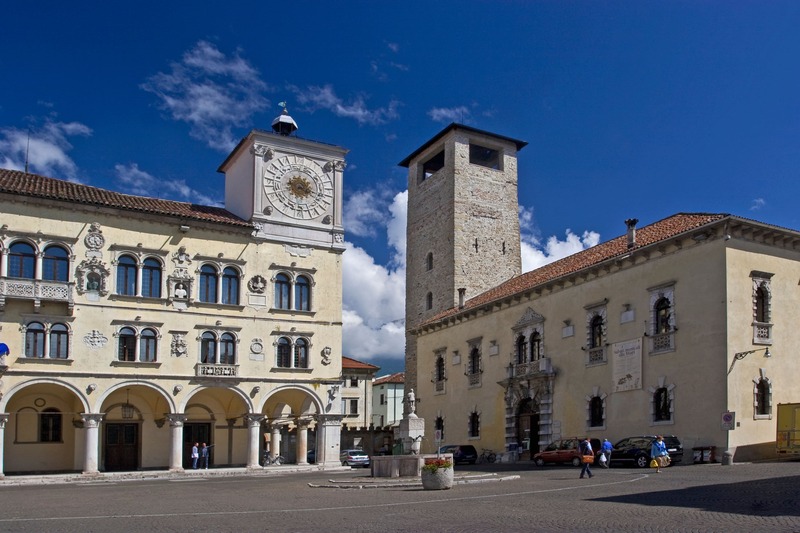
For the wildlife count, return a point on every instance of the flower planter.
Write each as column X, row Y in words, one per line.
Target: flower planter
column 441, row 479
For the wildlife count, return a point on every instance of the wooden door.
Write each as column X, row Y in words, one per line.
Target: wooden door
column 121, row 447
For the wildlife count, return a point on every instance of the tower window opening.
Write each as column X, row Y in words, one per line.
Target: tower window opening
column 432, row 165
column 485, row 157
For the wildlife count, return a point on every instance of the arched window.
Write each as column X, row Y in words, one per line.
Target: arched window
column 230, row 286
column 662, row 317
column 284, row 353
column 301, row 353
column 55, row 264
column 596, row 412
column 208, row 348
column 439, row 369
column 763, row 400
column 474, row 424
column 126, row 276
column 596, row 338
column 661, row 404
column 536, row 346
column 283, row 287
column 59, row 341
column 429, row 261
column 522, row 348
column 34, row 340
column 148, row 347
column 227, row 349
column 50, row 425
column 208, row 284
column 475, row 361
column 21, row 261
column 761, row 305
column 429, row 301
column 127, row 344
column 302, row 294
column 151, row 278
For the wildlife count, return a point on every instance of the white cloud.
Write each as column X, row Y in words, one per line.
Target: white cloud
column 324, row 97
column 450, row 114
column 211, row 92
column 534, row 255
column 373, row 294
column 46, row 148
column 136, row 181
column 758, row 203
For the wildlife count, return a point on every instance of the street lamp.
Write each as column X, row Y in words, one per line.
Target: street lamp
column 738, row 356
column 127, row 408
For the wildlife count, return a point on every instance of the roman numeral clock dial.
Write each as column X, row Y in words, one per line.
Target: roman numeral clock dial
column 298, row 187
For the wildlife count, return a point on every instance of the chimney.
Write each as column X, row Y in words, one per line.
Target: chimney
column 631, row 223
column 461, row 293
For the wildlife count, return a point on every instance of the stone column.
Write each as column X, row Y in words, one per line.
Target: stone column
column 91, row 424
column 253, row 433
column 275, row 445
column 3, row 420
column 176, row 422
column 302, row 441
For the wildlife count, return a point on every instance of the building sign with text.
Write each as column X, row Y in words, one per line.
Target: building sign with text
column 626, row 365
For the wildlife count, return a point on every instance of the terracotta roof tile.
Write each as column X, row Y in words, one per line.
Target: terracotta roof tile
column 352, row 364
column 397, row 377
column 33, row 185
column 647, row 235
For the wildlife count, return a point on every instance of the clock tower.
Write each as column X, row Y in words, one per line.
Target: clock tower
column 289, row 187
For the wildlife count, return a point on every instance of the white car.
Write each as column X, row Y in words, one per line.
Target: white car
column 354, row 458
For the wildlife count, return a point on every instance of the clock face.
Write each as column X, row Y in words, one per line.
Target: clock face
column 298, row 187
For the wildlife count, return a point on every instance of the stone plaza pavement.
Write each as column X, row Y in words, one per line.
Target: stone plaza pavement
column 743, row 497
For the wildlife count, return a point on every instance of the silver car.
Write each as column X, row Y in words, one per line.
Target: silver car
column 354, row 458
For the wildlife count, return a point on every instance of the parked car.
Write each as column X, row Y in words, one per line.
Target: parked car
column 636, row 450
column 354, row 458
column 565, row 451
column 462, row 453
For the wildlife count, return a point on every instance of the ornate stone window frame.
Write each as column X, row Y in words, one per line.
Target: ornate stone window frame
column 596, row 355
column 768, row 383
column 661, row 342
column 596, row 393
column 762, row 331
column 662, row 384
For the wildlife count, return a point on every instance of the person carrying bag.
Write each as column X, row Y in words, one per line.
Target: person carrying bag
column 659, row 457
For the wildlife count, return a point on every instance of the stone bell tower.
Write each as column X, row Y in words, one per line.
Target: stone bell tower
column 462, row 234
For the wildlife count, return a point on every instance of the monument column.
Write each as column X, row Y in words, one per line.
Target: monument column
column 176, row 422
column 253, row 431
column 91, row 423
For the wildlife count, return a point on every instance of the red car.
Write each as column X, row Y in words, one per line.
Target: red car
column 565, row 451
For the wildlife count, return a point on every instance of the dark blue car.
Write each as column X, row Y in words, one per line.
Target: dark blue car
column 462, row 453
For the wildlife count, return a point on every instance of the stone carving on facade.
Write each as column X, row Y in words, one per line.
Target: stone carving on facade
column 326, row 219
column 179, row 283
column 257, row 284
column 257, row 346
column 263, row 151
column 326, row 355
column 92, row 275
column 94, row 241
column 334, row 165
column 297, row 251
column 95, row 339
column 338, row 237
column 179, row 345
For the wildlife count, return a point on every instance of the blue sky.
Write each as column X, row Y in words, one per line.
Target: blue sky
column 631, row 110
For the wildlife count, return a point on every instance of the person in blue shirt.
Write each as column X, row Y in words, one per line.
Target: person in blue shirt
column 204, row 452
column 606, row 449
column 658, row 451
column 195, row 456
column 586, row 449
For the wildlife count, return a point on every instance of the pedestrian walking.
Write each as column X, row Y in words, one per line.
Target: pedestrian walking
column 606, row 448
column 659, row 454
column 195, row 456
column 587, row 457
column 204, row 452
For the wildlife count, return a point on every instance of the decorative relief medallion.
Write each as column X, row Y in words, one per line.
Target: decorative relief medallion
column 257, row 284
column 95, row 339
column 326, row 356
column 179, row 346
column 257, row 346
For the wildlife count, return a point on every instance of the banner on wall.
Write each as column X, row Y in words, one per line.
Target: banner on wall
column 626, row 365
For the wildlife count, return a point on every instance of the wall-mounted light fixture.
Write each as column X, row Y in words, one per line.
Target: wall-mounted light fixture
column 185, row 229
column 738, row 356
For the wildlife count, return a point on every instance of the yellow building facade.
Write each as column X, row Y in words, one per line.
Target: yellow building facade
column 135, row 327
column 686, row 326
